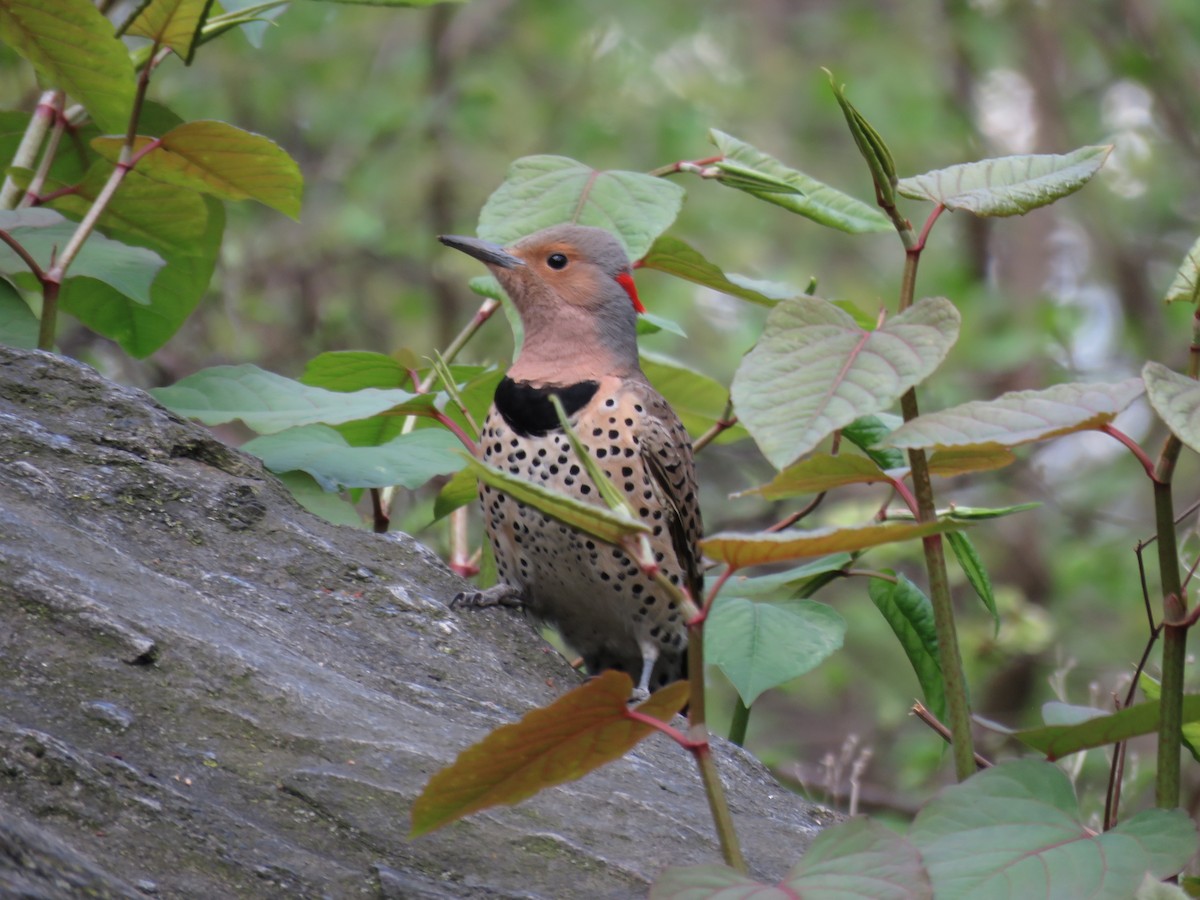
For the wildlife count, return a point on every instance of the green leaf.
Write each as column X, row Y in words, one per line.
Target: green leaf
column 461, row 489
column 742, row 550
column 910, row 614
column 1057, row 713
column 698, row 400
column 218, row 159
column 812, row 199
column 183, row 228
column 487, row 286
column 978, row 513
column 867, row 432
column 870, row 145
column 353, row 370
column 597, row 521
column 608, row 492
column 760, row 646
column 320, row 502
column 972, row 566
column 140, row 330
column 649, row 323
column 977, row 458
column 1191, row 731
column 1186, row 284
column 820, row 472
column 269, row 403
column 173, row 23
column 72, row 46
column 541, row 191
column 1153, row 889
column 396, row 3
column 1176, row 398
column 673, row 256
column 815, row 370
column 18, row 325
column 43, row 232
column 580, row 731
column 1020, row 417
column 1024, row 816
column 1010, row 185
column 859, row 859
column 1057, row 741
column 781, row 585
column 409, row 460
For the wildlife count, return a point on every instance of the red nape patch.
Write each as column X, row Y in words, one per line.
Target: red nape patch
column 625, row 280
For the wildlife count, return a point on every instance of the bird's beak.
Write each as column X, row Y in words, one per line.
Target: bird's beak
column 492, row 254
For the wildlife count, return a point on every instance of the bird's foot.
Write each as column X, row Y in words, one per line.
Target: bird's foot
column 496, row 595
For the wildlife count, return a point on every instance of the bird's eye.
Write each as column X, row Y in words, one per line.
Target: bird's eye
column 556, row 261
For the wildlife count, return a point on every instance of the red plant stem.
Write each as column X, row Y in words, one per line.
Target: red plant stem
column 1134, row 447
column 26, row 257
column 933, row 217
column 906, row 495
column 674, row 734
column 438, row 416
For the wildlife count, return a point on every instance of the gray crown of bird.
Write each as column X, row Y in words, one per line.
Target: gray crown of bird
column 574, row 290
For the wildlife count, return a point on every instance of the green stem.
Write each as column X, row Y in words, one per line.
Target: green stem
column 1175, row 611
column 1174, row 650
column 731, row 851
column 741, row 718
column 958, row 708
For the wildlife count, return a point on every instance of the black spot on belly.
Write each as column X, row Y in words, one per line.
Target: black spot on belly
column 527, row 409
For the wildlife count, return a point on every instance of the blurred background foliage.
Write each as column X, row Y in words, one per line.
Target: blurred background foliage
column 403, row 121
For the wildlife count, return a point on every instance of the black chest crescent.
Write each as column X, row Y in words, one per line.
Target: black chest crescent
column 527, row 410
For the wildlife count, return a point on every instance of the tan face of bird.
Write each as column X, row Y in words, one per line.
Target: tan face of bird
column 574, row 290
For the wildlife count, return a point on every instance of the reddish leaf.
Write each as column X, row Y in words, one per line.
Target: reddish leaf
column 579, row 732
column 742, row 550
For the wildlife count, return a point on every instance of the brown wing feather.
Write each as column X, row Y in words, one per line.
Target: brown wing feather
column 666, row 452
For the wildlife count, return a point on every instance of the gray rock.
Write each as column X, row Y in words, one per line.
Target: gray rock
column 207, row 692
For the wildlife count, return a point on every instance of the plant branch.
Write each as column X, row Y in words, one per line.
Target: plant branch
column 43, row 117
column 1175, row 617
column 1134, row 447
column 685, row 165
column 958, row 707
column 34, row 188
column 799, row 514
column 727, row 420
column 922, row 712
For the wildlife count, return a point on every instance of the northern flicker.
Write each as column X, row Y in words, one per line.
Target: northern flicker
column 574, row 290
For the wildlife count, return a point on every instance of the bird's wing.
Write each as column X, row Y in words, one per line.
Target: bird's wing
column 666, row 452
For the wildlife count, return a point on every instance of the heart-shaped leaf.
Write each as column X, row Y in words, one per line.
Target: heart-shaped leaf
column 855, row 860
column 541, row 191
column 760, row 646
column 1014, row 831
column 408, row 460
column 815, row 370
